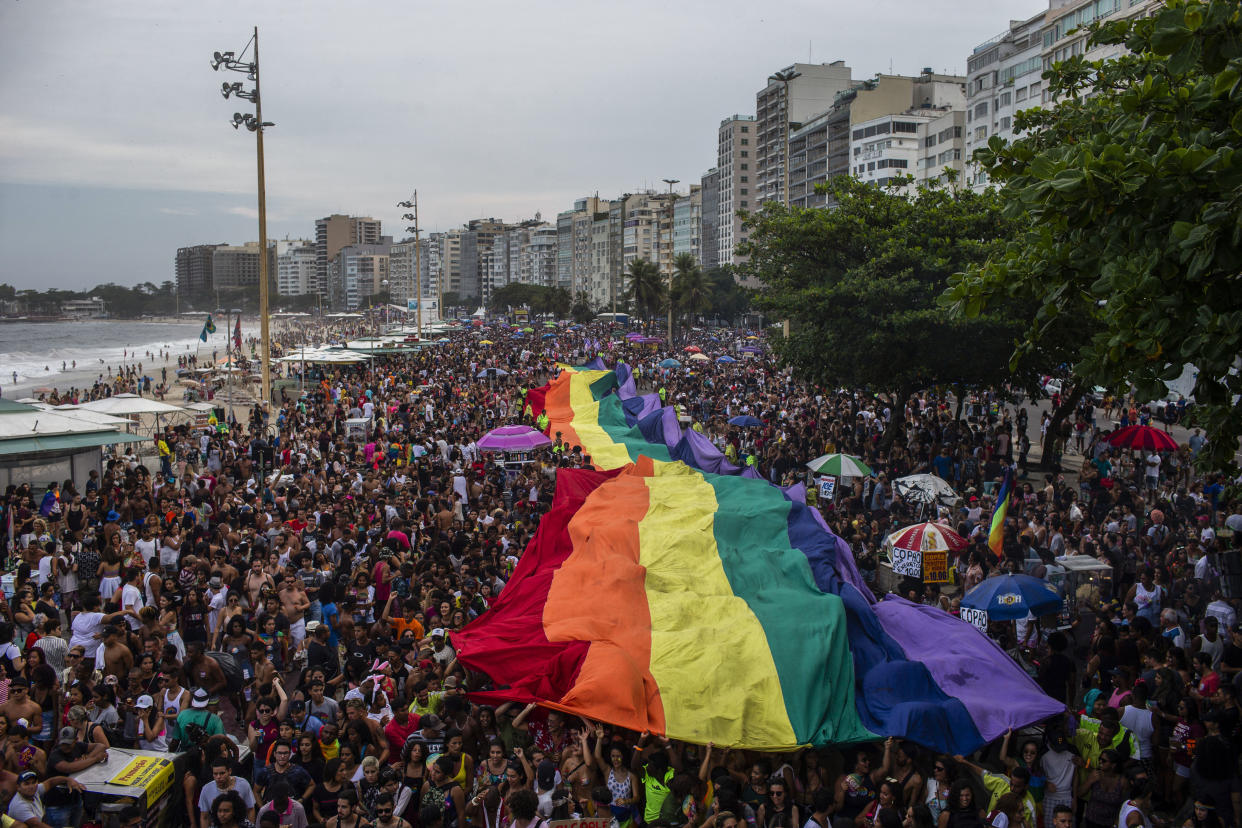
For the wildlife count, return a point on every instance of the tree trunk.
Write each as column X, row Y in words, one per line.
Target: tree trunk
column 1059, row 415
column 898, row 420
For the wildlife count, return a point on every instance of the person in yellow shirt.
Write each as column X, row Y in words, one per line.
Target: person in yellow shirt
column 1016, row 782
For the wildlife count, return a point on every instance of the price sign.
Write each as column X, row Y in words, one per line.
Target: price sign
column 827, row 486
column 908, row 562
column 935, row 567
column 977, row 617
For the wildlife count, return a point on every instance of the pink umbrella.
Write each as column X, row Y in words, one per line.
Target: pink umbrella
column 514, row 438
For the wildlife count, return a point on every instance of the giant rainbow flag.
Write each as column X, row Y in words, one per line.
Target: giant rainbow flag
column 693, row 600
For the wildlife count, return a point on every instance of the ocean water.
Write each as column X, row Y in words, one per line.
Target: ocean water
column 42, row 354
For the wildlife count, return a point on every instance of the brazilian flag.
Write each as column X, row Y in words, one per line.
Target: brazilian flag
column 209, row 327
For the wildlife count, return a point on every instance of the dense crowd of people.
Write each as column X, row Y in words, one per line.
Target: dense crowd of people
column 279, row 603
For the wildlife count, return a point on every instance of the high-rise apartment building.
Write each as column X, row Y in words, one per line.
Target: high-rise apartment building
column 193, row 269
column 738, row 189
column 476, row 256
column 1004, row 74
column 334, row 232
column 709, row 213
column 358, row 272
column 296, row 269
column 811, row 92
column 919, row 136
column 688, row 224
column 573, row 243
column 237, row 266
column 403, row 258
column 445, row 267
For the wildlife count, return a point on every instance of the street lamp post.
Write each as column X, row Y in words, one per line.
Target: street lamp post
column 418, row 261
column 784, row 78
column 384, row 285
column 255, row 123
column 670, row 182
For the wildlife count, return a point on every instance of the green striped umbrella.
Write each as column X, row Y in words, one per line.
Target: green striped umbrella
column 841, row 465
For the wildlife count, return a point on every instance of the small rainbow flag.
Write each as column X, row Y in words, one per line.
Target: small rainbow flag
column 996, row 534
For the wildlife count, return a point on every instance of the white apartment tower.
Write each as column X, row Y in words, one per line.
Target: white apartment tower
column 811, row 91
column 737, row 187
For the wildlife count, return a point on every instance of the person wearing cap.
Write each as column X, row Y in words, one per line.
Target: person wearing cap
column 67, row 757
column 303, row 721
column 27, row 804
column 441, row 652
column 198, row 715
column 320, row 653
column 152, row 732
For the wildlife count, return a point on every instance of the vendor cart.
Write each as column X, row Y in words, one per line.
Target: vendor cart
column 1087, row 582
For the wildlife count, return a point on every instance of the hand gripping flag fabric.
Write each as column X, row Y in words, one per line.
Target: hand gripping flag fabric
column 670, row 591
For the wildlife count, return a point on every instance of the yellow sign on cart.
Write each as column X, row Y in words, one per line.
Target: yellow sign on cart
column 935, row 567
column 153, row 775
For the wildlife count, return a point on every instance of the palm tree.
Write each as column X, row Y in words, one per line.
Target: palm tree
column 692, row 290
column 646, row 287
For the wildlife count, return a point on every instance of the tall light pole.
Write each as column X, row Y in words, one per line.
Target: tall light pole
column 670, row 182
column 254, row 123
column 418, row 260
column 784, row 78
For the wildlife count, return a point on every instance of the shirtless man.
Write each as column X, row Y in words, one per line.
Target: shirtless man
column 294, row 603
column 203, row 671
column 256, row 579
column 173, row 698
column 118, row 657
column 21, row 706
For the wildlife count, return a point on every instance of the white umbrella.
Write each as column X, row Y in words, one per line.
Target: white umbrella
column 926, row 489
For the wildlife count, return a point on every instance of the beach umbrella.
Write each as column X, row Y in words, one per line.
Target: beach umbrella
column 925, row 488
column 726, row 359
column 1013, row 597
column 927, row 537
column 514, row 438
column 549, row 324
column 549, row 336
column 752, row 336
column 841, row 465
column 691, row 349
column 751, row 349
column 700, row 357
column 1142, row 437
column 745, row 421
column 528, row 329
column 486, row 342
column 493, row 372
column 670, row 363
column 650, row 339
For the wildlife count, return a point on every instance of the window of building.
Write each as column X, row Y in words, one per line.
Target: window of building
column 905, row 126
column 981, row 109
column 929, row 141
column 746, row 166
column 745, row 204
column 1034, row 88
column 981, row 133
column 745, row 179
column 745, row 129
column 745, row 191
column 746, row 153
column 745, row 141
column 870, row 166
column 1020, row 95
column 1004, row 123
column 1006, row 99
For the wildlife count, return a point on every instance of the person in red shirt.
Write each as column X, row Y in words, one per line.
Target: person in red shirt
column 399, row 729
column 1209, row 679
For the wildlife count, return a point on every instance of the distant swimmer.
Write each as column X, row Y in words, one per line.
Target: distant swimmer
column 62, row 365
column 15, row 378
column 75, row 363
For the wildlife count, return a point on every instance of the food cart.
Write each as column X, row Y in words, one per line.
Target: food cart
column 358, row 429
column 146, row 778
column 1087, row 581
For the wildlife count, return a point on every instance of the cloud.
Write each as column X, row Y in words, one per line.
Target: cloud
column 245, row 212
column 177, row 211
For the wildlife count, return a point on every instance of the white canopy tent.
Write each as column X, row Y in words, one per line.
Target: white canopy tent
column 122, row 405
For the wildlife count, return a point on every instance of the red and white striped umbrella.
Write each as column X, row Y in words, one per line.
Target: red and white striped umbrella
column 927, row 537
column 1142, row 437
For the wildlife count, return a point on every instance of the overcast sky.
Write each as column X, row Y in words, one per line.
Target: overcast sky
column 115, row 147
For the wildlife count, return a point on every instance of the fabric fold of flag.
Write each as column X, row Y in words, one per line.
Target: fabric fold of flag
column 665, row 571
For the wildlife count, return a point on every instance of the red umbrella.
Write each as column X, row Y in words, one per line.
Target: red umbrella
column 1142, row 437
column 692, row 349
column 928, row 537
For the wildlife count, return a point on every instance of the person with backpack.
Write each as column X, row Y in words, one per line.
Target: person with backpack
column 196, row 724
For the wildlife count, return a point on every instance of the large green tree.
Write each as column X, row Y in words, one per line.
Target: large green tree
column 859, row 284
column 1129, row 193
column 646, row 288
column 692, row 290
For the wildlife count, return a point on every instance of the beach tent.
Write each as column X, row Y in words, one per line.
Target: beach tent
column 123, row 405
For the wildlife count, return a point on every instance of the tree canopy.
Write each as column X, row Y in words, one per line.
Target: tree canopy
column 1129, row 192
column 859, row 284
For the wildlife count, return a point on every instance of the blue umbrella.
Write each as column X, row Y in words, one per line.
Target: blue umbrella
column 670, row 363
column 1012, row 597
column 549, row 336
column 725, row 358
column 745, row 421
